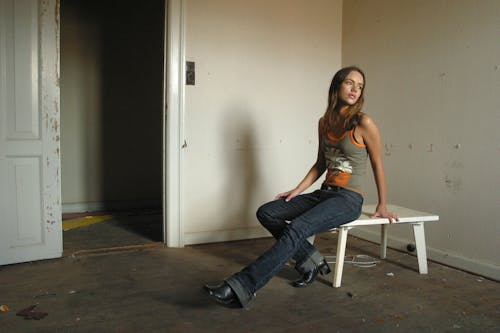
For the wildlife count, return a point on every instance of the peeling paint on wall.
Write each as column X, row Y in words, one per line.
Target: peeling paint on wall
column 453, row 183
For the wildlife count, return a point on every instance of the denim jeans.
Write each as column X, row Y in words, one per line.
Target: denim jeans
column 308, row 215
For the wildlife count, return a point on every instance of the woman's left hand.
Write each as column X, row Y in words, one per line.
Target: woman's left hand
column 382, row 212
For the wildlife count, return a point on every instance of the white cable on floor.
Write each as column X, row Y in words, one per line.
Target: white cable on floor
column 359, row 260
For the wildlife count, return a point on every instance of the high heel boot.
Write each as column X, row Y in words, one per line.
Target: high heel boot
column 223, row 294
column 310, row 276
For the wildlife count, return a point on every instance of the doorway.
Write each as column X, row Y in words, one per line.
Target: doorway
column 112, row 56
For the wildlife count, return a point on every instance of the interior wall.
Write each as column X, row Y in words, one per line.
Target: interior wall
column 433, row 77
column 263, row 70
column 111, row 103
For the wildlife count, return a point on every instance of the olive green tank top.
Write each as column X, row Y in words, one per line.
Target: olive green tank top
column 345, row 161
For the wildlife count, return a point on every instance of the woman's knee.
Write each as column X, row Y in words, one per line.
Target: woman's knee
column 266, row 215
column 263, row 213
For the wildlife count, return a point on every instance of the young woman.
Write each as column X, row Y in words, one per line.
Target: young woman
column 347, row 137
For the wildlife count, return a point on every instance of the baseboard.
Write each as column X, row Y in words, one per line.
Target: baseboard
column 455, row 260
column 81, row 207
column 192, row 238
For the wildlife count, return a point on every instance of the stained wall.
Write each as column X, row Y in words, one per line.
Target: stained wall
column 433, row 82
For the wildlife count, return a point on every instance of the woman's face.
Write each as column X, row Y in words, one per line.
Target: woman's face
column 351, row 88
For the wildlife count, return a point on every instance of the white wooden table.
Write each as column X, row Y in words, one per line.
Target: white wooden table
column 406, row 215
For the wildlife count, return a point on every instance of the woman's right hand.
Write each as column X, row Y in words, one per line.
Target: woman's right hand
column 288, row 195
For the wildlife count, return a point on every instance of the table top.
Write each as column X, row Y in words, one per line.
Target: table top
column 406, row 215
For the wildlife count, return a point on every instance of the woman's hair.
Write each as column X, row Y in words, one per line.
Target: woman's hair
column 352, row 115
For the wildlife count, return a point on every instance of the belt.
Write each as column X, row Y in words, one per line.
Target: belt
column 325, row 187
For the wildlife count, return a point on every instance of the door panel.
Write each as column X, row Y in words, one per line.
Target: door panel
column 24, row 188
column 22, row 69
column 30, row 213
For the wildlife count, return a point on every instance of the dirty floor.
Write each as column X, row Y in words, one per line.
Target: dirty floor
column 160, row 290
column 89, row 231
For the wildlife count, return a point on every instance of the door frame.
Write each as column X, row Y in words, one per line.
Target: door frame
column 173, row 122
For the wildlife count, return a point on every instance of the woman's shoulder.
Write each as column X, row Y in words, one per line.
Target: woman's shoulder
column 365, row 120
column 367, row 126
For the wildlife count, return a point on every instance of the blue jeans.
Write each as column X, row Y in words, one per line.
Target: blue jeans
column 308, row 215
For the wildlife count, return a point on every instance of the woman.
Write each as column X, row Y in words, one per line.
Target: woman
column 347, row 137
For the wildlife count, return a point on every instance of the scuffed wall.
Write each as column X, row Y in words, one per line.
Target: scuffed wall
column 262, row 74
column 433, row 82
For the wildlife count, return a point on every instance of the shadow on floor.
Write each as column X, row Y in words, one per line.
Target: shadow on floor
column 121, row 230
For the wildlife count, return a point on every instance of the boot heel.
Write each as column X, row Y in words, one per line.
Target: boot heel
column 324, row 269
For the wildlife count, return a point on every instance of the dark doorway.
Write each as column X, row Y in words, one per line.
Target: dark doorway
column 111, row 121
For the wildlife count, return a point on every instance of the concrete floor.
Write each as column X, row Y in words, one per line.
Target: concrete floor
column 160, row 290
column 124, row 229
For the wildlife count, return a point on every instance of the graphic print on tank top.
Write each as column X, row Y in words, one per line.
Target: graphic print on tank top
column 345, row 160
column 339, row 168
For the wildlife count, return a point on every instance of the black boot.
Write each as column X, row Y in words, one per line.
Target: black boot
column 223, row 294
column 310, row 276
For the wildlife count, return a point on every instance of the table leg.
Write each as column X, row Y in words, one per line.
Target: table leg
column 383, row 241
column 418, row 232
column 339, row 262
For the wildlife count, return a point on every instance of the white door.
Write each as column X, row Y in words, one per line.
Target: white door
column 30, row 191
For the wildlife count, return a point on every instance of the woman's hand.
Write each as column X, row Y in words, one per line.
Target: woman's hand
column 381, row 211
column 288, row 195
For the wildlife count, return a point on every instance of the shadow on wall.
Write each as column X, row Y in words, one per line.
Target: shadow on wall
column 112, row 95
column 241, row 171
column 132, row 79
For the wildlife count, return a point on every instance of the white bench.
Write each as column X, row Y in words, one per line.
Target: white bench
column 406, row 215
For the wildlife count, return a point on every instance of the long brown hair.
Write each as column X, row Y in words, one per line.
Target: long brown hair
column 352, row 115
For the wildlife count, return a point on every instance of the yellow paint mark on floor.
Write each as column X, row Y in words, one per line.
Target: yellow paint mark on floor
column 84, row 221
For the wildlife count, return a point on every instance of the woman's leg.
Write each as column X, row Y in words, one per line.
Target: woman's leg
column 334, row 209
column 274, row 216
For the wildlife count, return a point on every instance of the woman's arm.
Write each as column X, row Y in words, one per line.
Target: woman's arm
column 314, row 173
column 373, row 142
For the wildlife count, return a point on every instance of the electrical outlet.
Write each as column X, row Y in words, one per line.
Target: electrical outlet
column 190, row 76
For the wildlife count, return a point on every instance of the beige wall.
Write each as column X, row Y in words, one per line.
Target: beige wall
column 262, row 75
column 111, row 104
column 433, row 83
